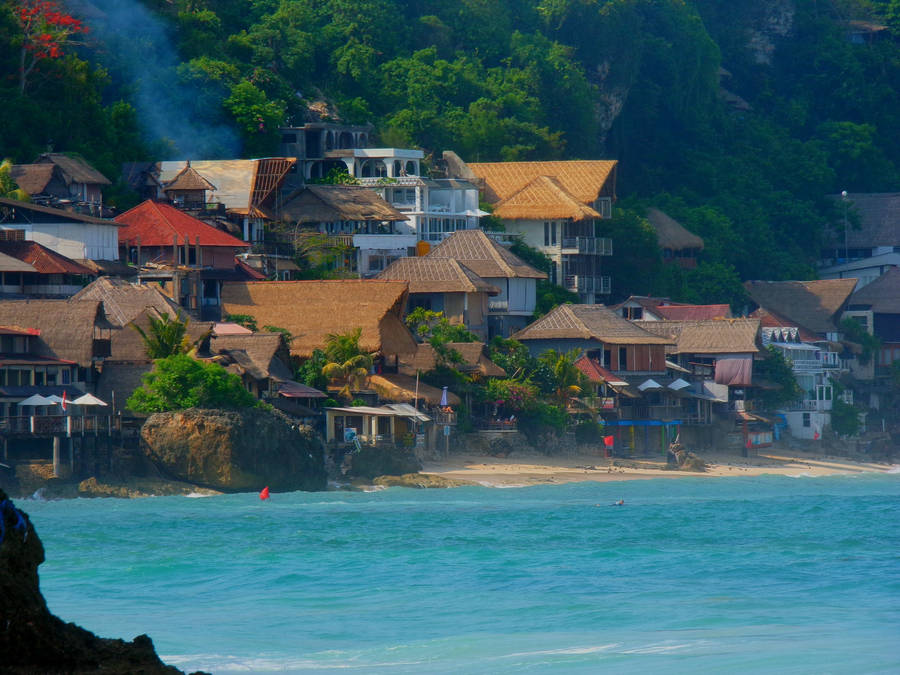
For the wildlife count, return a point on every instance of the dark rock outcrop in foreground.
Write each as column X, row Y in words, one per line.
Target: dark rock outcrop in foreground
column 32, row 640
column 370, row 461
column 235, row 451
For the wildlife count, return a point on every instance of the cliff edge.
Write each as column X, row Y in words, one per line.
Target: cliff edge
column 32, row 640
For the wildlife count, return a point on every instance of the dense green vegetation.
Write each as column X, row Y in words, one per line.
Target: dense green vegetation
column 634, row 80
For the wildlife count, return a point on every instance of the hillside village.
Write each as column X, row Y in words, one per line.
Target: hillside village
column 436, row 269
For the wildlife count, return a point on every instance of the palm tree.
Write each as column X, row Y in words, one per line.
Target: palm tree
column 568, row 379
column 346, row 361
column 167, row 336
column 8, row 187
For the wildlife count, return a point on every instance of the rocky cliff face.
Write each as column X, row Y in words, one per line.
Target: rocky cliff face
column 235, row 451
column 32, row 640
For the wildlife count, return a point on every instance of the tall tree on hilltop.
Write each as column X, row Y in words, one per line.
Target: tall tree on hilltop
column 44, row 32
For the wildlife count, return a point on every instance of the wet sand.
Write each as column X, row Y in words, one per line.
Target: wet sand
column 522, row 469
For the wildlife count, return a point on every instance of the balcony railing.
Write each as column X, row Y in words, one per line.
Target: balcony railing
column 498, row 305
column 66, row 425
column 588, row 284
column 588, row 245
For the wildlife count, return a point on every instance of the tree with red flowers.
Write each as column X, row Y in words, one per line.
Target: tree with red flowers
column 45, row 31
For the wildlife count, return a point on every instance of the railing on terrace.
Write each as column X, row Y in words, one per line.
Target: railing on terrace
column 811, row 404
column 498, row 305
column 69, row 425
column 588, row 245
column 445, row 417
column 588, row 284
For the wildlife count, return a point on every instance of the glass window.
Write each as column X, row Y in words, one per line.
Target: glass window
column 623, row 358
column 806, row 419
column 546, row 234
column 553, row 233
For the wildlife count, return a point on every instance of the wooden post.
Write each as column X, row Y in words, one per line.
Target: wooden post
column 56, row 463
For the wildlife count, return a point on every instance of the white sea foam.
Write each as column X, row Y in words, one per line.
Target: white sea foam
column 220, row 663
column 198, row 495
column 895, row 468
column 656, row 649
column 565, row 650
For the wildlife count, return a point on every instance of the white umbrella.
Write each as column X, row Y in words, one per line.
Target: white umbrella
column 443, row 403
column 54, row 398
column 37, row 400
column 88, row 399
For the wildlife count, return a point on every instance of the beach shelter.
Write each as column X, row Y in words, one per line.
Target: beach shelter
column 37, row 400
column 88, row 399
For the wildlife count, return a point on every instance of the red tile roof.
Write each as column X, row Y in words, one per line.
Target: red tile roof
column 42, row 259
column 254, row 275
column 156, row 223
column 595, row 372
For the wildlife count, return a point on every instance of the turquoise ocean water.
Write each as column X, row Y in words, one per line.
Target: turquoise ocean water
column 755, row 575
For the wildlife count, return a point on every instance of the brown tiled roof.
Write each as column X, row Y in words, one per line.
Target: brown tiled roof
column 484, row 256
column 437, row 275
column 587, row 322
column 58, row 213
column 328, row 203
column 397, row 388
column 188, row 179
column 472, row 353
column 584, row 179
column 42, row 259
column 879, row 220
column 124, row 301
column 311, row 310
column 695, row 312
column 543, row 197
column 75, row 170
column 66, row 326
column 811, row 304
column 670, row 233
column 709, row 336
column 882, row 295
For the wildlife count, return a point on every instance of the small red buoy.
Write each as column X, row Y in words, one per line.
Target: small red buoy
column 265, row 493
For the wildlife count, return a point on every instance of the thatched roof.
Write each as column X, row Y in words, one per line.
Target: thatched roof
column 543, row 197
column 484, row 256
column 329, row 203
column 881, row 295
column 127, row 345
column 672, row 234
column 586, row 180
column 710, row 336
column 124, row 301
column 261, row 355
column 188, row 179
column 74, row 169
column 398, row 388
column 63, row 216
column 879, row 220
column 437, row 275
column 33, row 178
column 118, row 381
column 588, row 322
column 67, row 326
column 42, row 259
column 474, row 356
column 810, row 304
column 680, row 312
column 311, row 310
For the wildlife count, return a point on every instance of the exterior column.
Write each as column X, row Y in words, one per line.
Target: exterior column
column 56, row 460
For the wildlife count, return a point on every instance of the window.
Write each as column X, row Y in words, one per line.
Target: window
column 623, row 358
column 546, row 234
column 288, row 138
column 607, row 358
column 807, row 420
column 553, row 233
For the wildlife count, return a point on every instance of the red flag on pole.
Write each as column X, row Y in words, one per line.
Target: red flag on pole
column 63, row 402
column 608, row 441
column 265, row 493
column 816, row 435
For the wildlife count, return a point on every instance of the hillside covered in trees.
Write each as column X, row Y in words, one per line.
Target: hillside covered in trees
column 737, row 118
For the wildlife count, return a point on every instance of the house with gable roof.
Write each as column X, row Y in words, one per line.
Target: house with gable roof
column 876, row 307
column 679, row 245
column 645, row 308
column 188, row 258
column 800, row 319
column 557, row 208
column 513, row 306
column 55, row 179
column 445, row 285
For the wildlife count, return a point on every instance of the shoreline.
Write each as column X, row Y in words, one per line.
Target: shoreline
column 531, row 468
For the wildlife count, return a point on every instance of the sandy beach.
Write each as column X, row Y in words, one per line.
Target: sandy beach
column 523, row 469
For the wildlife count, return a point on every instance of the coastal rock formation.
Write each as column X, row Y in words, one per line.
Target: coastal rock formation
column 32, row 640
column 235, row 451
column 421, row 481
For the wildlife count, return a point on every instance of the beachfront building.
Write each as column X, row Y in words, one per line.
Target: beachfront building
column 355, row 228
column 187, row 258
column 512, row 308
column 29, row 270
column 555, row 207
column 642, row 395
column 445, row 285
